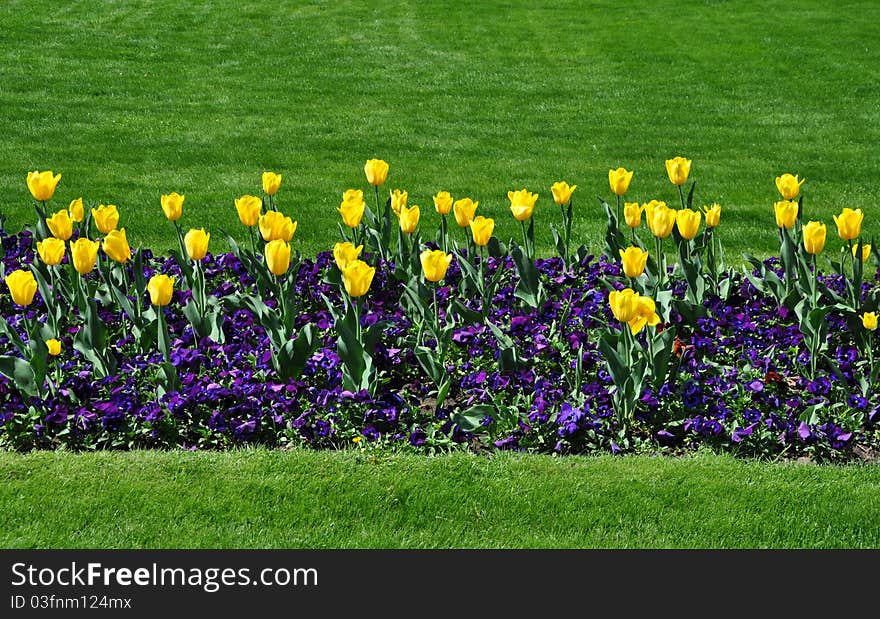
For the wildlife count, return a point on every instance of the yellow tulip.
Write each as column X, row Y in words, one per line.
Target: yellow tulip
column 562, row 192
column 632, row 213
column 634, row 261
column 481, row 230
column 408, row 219
column 352, row 207
column 160, row 287
column 814, row 237
column 713, row 215
column 660, row 219
column 172, row 205
column 278, row 256
column 344, row 253
column 376, row 171
column 106, row 218
column 196, row 243
column 786, row 214
column 443, row 202
column 22, row 286
column 624, row 304
column 464, row 210
column 249, row 209
column 398, row 199
column 619, row 180
column 60, row 225
column 357, row 277
column 76, row 210
column 42, row 185
column 434, row 264
column 678, row 169
column 789, row 186
column 116, row 246
column 866, row 251
column 274, row 225
column 54, row 347
column 688, row 223
column 869, row 320
column 522, row 203
column 84, row 253
column 271, row 183
column 51, row 251
column 646, row 314
column 849, row 223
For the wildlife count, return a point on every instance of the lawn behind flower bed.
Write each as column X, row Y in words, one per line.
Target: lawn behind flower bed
column 304, row 499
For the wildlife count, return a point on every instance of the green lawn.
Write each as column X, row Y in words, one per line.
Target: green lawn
column 133, row 99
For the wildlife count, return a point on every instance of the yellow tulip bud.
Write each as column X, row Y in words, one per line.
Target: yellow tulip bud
column 172, row 205
column 84, row 253
column 869, row 320
column 713, row 215
column 51, row 251
column 60, row 225
column 160, row 287
column 249, row 209
column 42, row 185
column 619, row 180
column 116, row 246
column 22, row 286
column 562, row 192
column 789, row 186
column 278, row 256
column 344, row 253
column 408, row 219
column 443, row 202
column 464, row 210
column 376, row 171
column 352, row 207
column 786, row 214
column 481, row 230
column 522, row 203
column 632, row 213
column 814, row 237
column 634, row 261
column 196, row 243
column 398, row 199
column 357, row 277
column 678, row 169
column 688, row 223
column 274, row 225
column 271, row 183
column 660, row 219
column 54, row 347
column 434, row 264
column 106, row 218
column 76, row 210
column 849, row 223
column 866, row 251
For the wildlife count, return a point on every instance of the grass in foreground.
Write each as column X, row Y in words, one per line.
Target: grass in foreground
column 132, row 100
column 303, row 499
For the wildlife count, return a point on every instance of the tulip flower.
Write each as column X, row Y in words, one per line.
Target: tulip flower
column 869, row 320
column 22, row 286
column 481, row 229
column 249, row 209
column 443, row 202
column 53, row 346
column 789, row 186
column 172, row 205
column 42, row 185
column 562, row 192
column 522, row 204
column 76, row 210
column 106, row 218
column 434, row 264
column 786, row 214
column 688, row 223
column 274, row 225
column 645, row 315
column 631, row 308
column 464, row 210
column 345, row 253
column 866, row 251
column 814, row 237
column 398, row 199
column 713, row 215
column 408, row 219
column 660, row 219
column 51, row 251
column 116, row 246
column 60, row 225
column 278, row 256
column 352, row 207
column 849, row 223
column 271, row 183
column 619, row 180
column 160, row 287
column 634, row 260
column 678, row 169
column 357, row 277
column 196, row 243
column 84, row 253
column 632, row 213
column 376, row 171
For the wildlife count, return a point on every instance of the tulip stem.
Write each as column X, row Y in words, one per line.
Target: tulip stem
column 436, row 315
column 681, row 197
column 618, row 212
column 525, row 238
column 253, row 241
